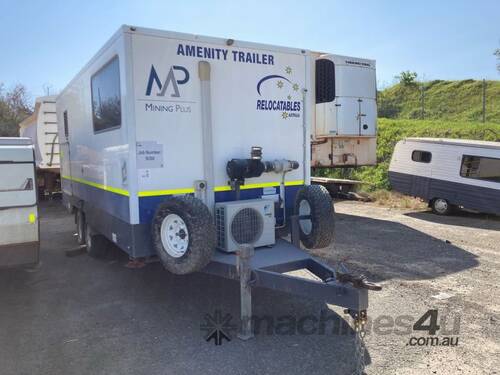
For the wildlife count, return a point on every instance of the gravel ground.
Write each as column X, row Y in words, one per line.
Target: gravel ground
column 425, row 261
column 81, row 315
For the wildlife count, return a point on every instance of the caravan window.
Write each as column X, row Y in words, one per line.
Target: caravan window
column 106, row 103
column 480, row 168
column 421, row 156
column 325, row 81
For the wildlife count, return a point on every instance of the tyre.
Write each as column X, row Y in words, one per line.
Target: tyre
column 183, row 233
column 97, row 245
column 314, row 206
column 441, row 206
column 80, row 226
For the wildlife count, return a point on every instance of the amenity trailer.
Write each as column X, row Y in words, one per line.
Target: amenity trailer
column 448, row 173
column 177, row 144
column 19, row 233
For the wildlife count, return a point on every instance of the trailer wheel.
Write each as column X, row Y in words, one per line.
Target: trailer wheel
column 184, row 234
column 441, row 206
column 97, row 245
column 314, row 206
column 80, row 226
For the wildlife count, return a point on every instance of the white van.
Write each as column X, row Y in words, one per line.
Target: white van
column 448, row 173
column 19, row 230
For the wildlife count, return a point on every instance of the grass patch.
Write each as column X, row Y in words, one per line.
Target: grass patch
column 396, row 200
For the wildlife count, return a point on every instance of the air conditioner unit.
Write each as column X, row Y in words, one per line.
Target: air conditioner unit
column 246, row 221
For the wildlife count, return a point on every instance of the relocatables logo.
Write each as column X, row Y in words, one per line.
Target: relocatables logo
column 170, row 80
column 285, row 94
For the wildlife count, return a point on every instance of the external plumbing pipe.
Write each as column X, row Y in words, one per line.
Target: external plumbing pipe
column 207, row 139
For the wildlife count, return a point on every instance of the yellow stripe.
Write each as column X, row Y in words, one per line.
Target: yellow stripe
column 98, row 186
column 153, row 193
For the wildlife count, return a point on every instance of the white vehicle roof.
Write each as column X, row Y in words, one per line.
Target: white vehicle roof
column 15, row 141
column 457, row 142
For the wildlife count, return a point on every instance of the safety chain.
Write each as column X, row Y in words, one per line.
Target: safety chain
column 359, row 344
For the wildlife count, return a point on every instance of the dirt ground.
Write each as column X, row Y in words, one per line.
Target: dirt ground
column 425, row 261
column 81, row 315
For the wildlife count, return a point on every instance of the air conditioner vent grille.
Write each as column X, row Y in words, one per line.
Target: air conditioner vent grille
column 219, row 222
column 247, row 226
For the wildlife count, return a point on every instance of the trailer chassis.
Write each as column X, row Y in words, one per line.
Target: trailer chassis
column 269, row 268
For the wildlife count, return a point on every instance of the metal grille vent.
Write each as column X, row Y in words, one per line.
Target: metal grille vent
column 219, row 223
column 325, row 81
column 246, row 226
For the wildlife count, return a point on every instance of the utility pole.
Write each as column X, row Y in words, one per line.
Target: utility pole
column 484, row 100
column 422, row 99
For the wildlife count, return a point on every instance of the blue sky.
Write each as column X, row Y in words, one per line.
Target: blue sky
column 45, row 43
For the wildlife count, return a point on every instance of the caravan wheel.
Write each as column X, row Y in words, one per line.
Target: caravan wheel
column 183, row 234
column 441, row 206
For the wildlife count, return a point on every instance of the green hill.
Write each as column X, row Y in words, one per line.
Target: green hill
column 443, row 100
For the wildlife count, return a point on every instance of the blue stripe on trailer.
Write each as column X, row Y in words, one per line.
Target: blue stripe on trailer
column 111, row 202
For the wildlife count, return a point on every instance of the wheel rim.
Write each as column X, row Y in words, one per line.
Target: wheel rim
column 441, row 205
column 174, row 235
column 305, row 210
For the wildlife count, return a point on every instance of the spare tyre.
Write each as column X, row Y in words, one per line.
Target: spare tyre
column 183, row 234
column 314, row 206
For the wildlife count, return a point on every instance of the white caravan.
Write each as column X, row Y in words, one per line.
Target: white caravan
column 448, row 173
column 19, row 233
column 158, row 114
column 41, row 127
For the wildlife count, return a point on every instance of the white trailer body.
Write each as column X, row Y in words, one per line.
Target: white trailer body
column 175, row 145
column 156, row 145
column 19, row 232
column 448, row 172
column 41, row 127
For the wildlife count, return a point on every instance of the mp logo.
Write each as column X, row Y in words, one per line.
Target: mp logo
column 171, row 80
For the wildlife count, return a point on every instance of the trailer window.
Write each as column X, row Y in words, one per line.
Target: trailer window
column 325, row 81
column 421, row 156
column 481, row 168
column 106, row 103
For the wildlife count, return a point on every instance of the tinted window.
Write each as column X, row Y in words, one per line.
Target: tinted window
column 480, row 168
column 421, row 156
column 325, row 81
column 106, row 106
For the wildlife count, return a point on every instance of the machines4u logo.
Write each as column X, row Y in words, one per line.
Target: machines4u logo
column 290, row 102
column 177, row 75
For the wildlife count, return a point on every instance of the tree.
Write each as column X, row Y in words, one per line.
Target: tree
column 14, row 107
column 407, row 78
